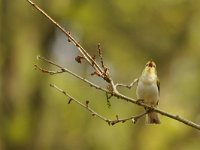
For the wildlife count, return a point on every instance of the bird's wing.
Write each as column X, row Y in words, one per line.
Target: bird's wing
column 158, row 85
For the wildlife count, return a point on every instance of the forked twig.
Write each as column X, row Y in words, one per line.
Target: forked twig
column 85, row 54
column 127, row 86
column 62, row 70
column 94, row 113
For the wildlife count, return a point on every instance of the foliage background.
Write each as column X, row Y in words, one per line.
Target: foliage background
column 34, row 116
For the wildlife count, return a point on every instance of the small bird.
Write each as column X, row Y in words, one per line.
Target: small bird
column 148, row 90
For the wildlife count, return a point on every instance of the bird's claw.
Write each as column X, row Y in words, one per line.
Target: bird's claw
column 139, row 101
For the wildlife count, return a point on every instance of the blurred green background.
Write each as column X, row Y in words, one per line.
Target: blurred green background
column 34, row 116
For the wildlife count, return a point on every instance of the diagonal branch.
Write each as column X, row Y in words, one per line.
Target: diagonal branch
column 62, row 70
column 103, row 73
column 123, row 97
column 134, row 118
column 85, row 54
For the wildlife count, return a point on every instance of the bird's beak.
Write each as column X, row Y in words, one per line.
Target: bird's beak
column 150, row 64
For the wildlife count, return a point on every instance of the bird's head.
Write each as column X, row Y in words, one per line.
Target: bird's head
column 150, row 67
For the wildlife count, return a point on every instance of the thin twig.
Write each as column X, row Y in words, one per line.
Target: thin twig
column 85, row 54
column 51, row 72
column 127, row 86
column 94, row 113
column 67, row 71
column 78, row 102
column 101, row 56
column 134, row 118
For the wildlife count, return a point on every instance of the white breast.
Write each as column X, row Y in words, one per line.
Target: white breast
column 147, row 90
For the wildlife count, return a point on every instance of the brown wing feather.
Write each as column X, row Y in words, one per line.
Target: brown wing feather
column 158, row 85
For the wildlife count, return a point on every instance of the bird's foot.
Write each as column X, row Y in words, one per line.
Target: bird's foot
column 139, row 101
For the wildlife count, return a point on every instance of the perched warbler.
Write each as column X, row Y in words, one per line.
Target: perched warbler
column 148, row 90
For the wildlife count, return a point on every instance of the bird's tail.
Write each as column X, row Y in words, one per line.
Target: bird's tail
column 152, row 118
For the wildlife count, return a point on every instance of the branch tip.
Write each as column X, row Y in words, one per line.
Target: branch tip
column 117, row 117
column 70, row 100
column 133, row 121
column 64, row 92
column 79, row 59
column 78, row 44
column 69, row 40
column 94, row 57
column 93, row 114
column 38, row 57
column 35, row 66
column 87, row 103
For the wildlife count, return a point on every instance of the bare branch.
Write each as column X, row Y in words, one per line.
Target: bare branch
column 62, row 69
column 134, row 118
column 47, row 71
column 127, row 86
column 102, row 72
column 78, row 102
column 101, row 56
column 94, row 113
column 85, row 54
column 123, row 97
